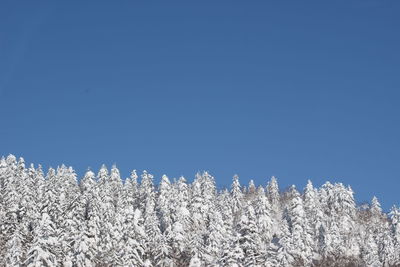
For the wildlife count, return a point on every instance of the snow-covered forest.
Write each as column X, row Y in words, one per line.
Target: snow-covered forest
column 56, row 219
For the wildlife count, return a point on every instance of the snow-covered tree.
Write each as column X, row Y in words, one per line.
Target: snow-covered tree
column 395, row 231
column 15, row 250
column 250, row 240
column 44, row 249
column 273, row 195
column 53, row 220
column 300, row 242
column 236, row 196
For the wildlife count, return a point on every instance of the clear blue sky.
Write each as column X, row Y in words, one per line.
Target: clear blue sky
column 296, row 89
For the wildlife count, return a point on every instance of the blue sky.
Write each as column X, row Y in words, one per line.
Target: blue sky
column 299, row 90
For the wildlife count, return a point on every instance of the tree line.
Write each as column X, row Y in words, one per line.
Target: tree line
column 56, row 219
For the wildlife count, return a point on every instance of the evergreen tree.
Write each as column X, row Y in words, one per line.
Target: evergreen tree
column 44, row 249
column 84, row 256
column 250, row 240
column 217, row 238
column 134, row 235
column 300, row 242
column 178, row 235
column 313, row 216
column 55, row 221
column 233, row 255
column 395, row 229
column 15, row 249
column 130, row 190
column 236, row 198
column 370, row 252
column 151, row 221
column 273, row 194
column 165, row 203
column 264, row 221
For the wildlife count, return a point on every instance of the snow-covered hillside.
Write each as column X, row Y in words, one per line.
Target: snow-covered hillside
column 52, row 220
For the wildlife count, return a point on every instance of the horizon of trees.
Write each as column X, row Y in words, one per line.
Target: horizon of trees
column 54, row 219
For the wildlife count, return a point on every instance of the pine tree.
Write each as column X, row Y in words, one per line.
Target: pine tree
column 130, row 190
column 71, row 215
column 15, row 249
column 91, row 226
column 11, row 196
column 178, row 236
column 313, row 216
column 217, row 237
column 84, row 256
column 250, row 240
column 151, row 221
column 251, row 190
column 273, row 194
column 236, row 198
column 31, row 196
column 115, row 188
column 279, row 252
column 264, row 221
column 107, row 216
column 395, row 229
column 233, row 255
column 198, row 212
column 165, row 203
column 43, row 251
column 134, row 235
column 51, row 195
column 300, row 242
column 370, row 252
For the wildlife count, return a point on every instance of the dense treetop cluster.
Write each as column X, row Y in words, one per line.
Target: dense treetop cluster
column 53, row 220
